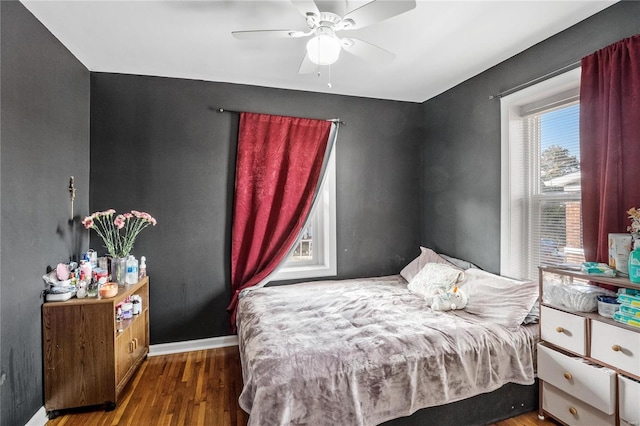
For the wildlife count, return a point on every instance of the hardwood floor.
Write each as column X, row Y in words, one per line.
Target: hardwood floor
column 199, row 388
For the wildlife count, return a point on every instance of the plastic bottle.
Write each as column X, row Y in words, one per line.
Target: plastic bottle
column 634, row 263
column 85, row 267
column 131, row 276
column 142, row 271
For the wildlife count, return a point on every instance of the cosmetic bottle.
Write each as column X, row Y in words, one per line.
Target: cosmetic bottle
column 634, row 263
column 142, row 270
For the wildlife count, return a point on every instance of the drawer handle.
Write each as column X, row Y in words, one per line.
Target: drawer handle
column 568, row 376
column 573, row 411
column 616, row 348
column 131, row 346
column 560, row 329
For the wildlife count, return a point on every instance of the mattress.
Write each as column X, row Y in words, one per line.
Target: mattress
column 363, row 351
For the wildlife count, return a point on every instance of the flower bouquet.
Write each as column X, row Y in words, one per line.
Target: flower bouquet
column 118, row 233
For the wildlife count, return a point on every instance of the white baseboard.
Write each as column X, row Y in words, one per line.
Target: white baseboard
column 193, row 345
column 40, row 417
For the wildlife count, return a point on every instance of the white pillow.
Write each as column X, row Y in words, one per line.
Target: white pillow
column 434, row 277
column 502, row 300
column 426, row 256
column 462, row 264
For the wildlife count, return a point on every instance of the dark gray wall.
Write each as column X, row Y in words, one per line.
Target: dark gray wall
column 44, row 140
column 158, row 145
column 460, row 185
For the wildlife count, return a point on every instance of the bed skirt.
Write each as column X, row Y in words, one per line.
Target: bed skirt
column 510, row 400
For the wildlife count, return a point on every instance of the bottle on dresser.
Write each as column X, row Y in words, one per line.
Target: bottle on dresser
column 131, row 276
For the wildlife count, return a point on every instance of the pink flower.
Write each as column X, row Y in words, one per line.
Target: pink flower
column 146, row 216
column 119, row 221
column 88, row 222
column 128, row 216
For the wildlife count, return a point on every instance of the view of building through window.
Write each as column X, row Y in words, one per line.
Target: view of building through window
column 303, row 252
column 557, row 199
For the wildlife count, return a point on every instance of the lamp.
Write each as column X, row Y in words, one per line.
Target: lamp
column 323, row 49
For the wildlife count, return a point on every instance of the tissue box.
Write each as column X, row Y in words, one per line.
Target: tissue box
column 619, row 249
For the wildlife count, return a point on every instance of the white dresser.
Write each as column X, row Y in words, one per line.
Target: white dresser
column 588, row 365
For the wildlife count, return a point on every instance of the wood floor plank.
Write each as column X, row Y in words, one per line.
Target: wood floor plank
column 198, row 388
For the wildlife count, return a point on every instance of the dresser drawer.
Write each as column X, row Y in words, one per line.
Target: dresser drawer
column 629, row 392
column 571, row 410
column 563, row 329
column 594, row 385
column 616, row 346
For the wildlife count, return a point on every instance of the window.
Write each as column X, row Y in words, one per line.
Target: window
column 314, row 255
column 541, row 221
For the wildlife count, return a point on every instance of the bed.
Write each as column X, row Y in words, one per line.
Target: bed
column 366, row 351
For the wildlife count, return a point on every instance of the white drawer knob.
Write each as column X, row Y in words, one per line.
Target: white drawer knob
column 573, row 411
column 616, row 348
column 560, row 329
column 568, row 376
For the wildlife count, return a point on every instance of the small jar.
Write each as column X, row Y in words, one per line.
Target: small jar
column 127, row 310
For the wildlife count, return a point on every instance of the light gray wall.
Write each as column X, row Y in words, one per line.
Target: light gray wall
column 460, row 184
column 44, row 139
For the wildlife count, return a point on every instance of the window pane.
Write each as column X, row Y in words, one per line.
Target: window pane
column 560, row 150
column 303, row 251
column 556, row 228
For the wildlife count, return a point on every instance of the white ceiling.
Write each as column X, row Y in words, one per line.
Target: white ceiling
column 438, row 45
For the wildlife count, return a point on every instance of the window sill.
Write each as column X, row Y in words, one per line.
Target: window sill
column 297, row 272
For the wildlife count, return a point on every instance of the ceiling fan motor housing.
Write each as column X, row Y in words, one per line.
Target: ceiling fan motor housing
column 327, row 20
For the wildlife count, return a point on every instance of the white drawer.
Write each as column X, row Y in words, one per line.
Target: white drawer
column 563, row 329
column 571, row 410
column 616, row 346
column 629, row 392
column 594, row 385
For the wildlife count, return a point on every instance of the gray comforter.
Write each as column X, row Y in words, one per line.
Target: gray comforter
column 360, row 352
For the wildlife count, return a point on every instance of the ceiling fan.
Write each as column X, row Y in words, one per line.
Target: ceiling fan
column 325, row 46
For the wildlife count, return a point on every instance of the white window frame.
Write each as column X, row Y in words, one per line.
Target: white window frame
column 511, row 261
column 324, row 234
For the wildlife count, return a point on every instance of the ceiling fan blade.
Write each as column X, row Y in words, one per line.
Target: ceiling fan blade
column 366, row 50
column 376, row 11
column 265, row 34
column 306, row 6
column 307, row 67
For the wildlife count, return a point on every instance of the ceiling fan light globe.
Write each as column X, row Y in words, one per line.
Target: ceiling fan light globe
column 323, row 49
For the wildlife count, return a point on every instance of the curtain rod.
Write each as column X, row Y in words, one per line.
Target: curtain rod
column 333, row 120
column 536, row 80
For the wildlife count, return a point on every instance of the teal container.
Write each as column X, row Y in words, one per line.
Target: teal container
column 634, row 264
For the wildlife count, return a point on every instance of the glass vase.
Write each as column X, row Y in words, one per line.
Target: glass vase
column 118, row 270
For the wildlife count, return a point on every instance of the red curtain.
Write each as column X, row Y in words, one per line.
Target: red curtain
column 609, row 142
column 277, row 172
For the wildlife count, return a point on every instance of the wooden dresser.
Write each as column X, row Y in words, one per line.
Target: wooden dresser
column 588, row 365
column 88, row 355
